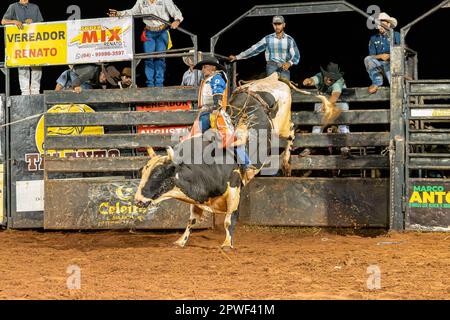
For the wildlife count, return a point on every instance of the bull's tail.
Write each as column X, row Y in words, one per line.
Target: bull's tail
column 331, row 112
column 151, row 152
column 293, row 86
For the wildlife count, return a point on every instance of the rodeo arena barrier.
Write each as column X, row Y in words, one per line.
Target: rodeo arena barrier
column 84, row 156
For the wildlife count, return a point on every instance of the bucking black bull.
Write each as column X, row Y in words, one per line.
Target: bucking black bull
column 215, row 186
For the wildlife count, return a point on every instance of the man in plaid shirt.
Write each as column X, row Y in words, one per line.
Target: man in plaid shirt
column 280, row 49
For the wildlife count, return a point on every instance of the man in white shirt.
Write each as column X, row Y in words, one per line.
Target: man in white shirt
column 191, row 76
column 17, row 14
column 156, row 35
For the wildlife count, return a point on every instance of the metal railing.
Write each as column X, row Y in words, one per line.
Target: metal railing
column 411, row 54
column 137, row 57
column 294, row 9
column 176, row 53
column 3, row 68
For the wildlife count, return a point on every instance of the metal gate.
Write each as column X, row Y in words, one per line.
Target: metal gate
column 98, row 176
column 3, row 218
column 426, row 188
column 413, row 191
column 428, row 155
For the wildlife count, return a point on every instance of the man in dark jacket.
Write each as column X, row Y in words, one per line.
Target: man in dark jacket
column 97, row 76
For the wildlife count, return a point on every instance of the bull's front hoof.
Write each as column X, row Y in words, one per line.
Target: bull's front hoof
column 227, row 248
column 287, row 171
column 178, row 244
column 142, row 205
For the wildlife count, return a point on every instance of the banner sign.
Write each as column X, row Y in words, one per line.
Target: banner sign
column 164, row 106
column 70, row 42
column 430, row 112
column 429, row 196
column 36, row 44
column 99, row 40
column 35, row 161
column 428, row 205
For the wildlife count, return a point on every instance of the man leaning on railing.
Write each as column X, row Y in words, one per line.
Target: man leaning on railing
column 155, row 36
column 19, row 13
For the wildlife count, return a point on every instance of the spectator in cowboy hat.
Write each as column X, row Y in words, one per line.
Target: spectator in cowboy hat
column 378, row 64
column 125, row 78
column 190, row 74
column 280, row 49
column 155, row 36
column 98, row 76
column 329, row 82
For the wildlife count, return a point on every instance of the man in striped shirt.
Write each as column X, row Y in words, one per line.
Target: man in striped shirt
column 280, row 49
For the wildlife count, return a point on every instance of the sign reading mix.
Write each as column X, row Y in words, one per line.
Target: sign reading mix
column 70, row 42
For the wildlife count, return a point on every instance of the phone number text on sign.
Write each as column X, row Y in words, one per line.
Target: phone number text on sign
column 109, row 53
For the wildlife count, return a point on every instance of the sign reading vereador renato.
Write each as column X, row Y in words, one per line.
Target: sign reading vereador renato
column 70, row 42
column 36, row 44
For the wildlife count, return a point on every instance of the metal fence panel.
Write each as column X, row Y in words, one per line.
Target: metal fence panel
column 428, row 202
column 3, row 185
column 26, row 201
column 325, row 202
column 108, row 204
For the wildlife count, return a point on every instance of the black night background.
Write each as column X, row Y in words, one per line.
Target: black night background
column 338, row 37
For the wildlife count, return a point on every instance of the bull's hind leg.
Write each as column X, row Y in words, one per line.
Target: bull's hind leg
column 285, row 165
column 231, row 217
column 230, row 226
column 196, row 214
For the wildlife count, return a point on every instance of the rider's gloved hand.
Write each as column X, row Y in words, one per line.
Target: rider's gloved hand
column 217, row 98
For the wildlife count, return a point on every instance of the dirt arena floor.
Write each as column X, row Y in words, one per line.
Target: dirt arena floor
column 268, row 263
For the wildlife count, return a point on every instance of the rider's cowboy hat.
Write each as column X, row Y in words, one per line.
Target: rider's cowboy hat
column 189, row 60
column 332, row 71
column 383, row 16
column 209, row 60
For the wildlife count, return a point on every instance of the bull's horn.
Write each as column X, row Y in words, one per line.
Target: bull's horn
column 170, row 153
column 151, row 152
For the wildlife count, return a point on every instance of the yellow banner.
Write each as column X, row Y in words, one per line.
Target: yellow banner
column 2, row 196
column 36, row 44
column 65, row 131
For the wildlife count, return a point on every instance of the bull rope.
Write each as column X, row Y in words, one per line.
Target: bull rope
column 23, row 120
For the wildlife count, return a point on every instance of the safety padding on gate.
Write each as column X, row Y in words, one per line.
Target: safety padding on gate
column 100, row 204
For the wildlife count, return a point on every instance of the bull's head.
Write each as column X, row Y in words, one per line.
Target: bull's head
column 158, row 178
